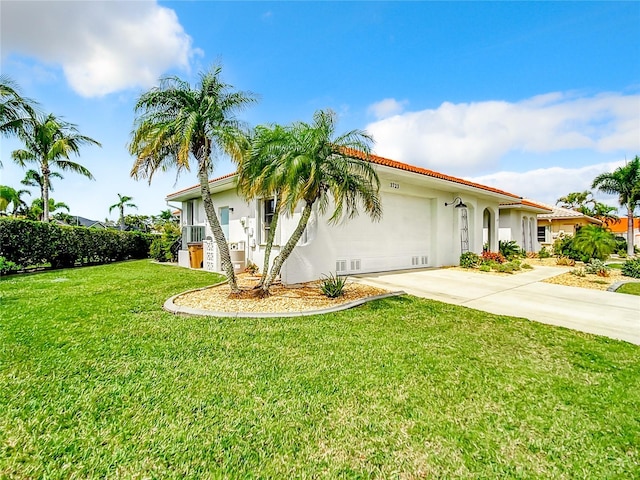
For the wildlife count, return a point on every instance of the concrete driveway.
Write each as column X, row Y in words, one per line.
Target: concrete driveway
column 614, row 315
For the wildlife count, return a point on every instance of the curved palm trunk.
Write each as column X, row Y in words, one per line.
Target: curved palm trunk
column 287, row 249
column 269, row 246
column 45, row 192
column 218, row 234
column 630, row 250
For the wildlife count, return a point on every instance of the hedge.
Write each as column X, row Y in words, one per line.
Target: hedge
column 28, row 243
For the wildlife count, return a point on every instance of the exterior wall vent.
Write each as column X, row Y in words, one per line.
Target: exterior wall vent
column 415, row 261
column 341, row 266
column 424, row 260
column 355, row 265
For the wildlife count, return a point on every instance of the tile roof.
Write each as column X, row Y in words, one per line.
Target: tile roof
column 378, row 160
column 561, row 212
column 622, row 225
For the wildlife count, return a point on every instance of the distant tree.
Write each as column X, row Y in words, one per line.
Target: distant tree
column 33, row 179
column 624, row 182
column 593, row 241
column 177, row 122
column 576, row 201
column 606, row 213
column 140, row 223
column 37, row 211
column 123, row 201
column 8, row 196
column 48, row 143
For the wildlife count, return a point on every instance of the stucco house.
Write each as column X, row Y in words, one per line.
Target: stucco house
column 560, row 221
column 429, row 218
column 620, row 229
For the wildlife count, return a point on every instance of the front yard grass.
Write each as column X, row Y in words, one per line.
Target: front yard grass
column 97, row 381
column 629, row 288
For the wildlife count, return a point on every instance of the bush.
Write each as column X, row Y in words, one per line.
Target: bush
column 469, row 260
column 526, row 266
column 564, row 247
column 30, row 243
column 333, row 285
column 565, row 261
column 485, row 268
column 593, row 241
column 597, row 267
column 162, row 247
column 578, row 272
column 631, row 268
column 493, row 257
column 510, row 249
column 7, row 267
column 544, row 253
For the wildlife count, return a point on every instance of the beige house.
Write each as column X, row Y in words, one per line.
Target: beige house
column 560, row 222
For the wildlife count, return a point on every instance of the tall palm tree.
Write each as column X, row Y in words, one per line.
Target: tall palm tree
column 33, row 179
column 48, row 143
column 14, row 109
column 624, row 182
column 177, row 122
column 123, row 201
column 316, row 167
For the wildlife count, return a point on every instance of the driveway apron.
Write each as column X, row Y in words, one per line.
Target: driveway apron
column 611, row 314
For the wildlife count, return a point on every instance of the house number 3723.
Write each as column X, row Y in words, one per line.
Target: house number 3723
column 394, row 185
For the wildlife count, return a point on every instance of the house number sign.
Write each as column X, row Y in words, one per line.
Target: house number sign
column 394, row 185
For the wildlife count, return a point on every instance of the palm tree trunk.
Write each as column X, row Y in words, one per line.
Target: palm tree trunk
column 45, row 192
column 630, row 249
column 268, row 247
column 287, row 249
column 122, row 225
column 218, row 234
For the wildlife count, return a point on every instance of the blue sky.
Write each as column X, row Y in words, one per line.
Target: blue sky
column 533, row 98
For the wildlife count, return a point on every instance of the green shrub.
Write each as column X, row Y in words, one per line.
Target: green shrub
column 7, row 267
column 631, row 268
column 565, row 261
column 485, row 268
column 526, row 266
column 469, row 260
column 578, row 272
column 564, row 247
column 597, row 267
column 333, row 285
column 593, row 241
column 31, row 243
column 544, row 253
column 509, row 249
column 162, row 246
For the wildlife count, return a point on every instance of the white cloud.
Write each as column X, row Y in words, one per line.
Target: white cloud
column 102, row 46
column 386, row 108
column 548, row 184
column 474, row 135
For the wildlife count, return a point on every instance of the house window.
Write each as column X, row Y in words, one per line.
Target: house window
column 224, row 221
column 268, row 208
column 542, row 234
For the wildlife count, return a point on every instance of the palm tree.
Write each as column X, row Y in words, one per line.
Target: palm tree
column 33, row 179
column 594, row 241
column 123, row 201
column 176, row 122
column 606, row 213
column 48, row 143
column 37, row 210
column 625, row 182
column 314, row 167
column 14, row 109
column 8, row 196
column 261, row 174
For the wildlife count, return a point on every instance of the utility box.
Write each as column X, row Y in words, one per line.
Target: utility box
column 196, row 254
column 238, row 260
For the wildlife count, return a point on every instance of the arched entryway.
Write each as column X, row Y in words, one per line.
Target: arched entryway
column 489, row 239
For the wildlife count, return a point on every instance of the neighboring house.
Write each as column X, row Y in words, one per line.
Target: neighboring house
column 83, row 222
column 518, row 222
column 560, row 222
column 417, row 229
column 620, row 229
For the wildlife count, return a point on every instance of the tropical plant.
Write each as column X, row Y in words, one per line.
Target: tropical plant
column 15, row 110
column 33, row 179
column 597, row 267
column 36, row 211
column 11, row 196
column 332, row 286
column 314, row 167
column 605, row 213
column 624, row 182
column 176, row 122
column 593, row 241
column 509, row 249
column 564, row 247
column 544, row 253
column 49, row 141
column 493, row 257
column 123, row 201
column 631, row 268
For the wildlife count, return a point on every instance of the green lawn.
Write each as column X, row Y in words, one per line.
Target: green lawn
column 629, row 288
column 97, row 381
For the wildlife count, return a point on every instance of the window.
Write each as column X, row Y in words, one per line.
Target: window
column 542, row 234
column 267, row 208
column 224, row 221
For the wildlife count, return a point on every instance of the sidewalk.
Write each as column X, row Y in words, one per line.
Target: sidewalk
column 614, row 315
